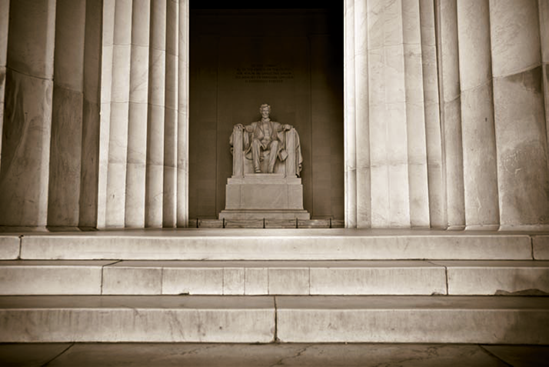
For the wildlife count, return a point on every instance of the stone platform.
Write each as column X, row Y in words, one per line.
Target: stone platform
column 269, row 285
column 264, row 196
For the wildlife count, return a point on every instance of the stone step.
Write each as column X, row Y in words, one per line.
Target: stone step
column 264, row 319
column 275, row 244
column 266, row 223
column 31, row 277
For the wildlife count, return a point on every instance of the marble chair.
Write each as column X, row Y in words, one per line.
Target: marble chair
column 288, row 166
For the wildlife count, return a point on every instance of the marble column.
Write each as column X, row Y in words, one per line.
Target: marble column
column 387, row 116
column 544, row 39
column 4, row 21
column 183, row 117
column 120, row 95
column 448, row 55
column 477, row 116
column 350, row 116
column 415, row 116
column 169, row 209
column 88, row 204
column 520, row 124
column 156, row 115
column 27, row 114
column 363, row 183
column 66, row 133
column 137, row 124
column 437, row 190
column 107, row 48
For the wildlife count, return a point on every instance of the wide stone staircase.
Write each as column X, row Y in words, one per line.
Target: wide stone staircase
column 275, row 285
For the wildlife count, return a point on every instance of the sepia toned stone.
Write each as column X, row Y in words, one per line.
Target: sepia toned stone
column 267, row 163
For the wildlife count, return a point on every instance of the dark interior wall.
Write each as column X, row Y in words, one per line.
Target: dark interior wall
column 291, row 59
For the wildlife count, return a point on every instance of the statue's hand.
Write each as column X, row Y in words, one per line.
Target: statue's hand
column 288, row 127
column 239, row 127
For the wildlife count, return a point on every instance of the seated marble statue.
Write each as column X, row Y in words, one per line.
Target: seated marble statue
column 266, row 139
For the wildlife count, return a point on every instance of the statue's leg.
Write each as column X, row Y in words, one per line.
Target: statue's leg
column 272, row 156
column 256, row 153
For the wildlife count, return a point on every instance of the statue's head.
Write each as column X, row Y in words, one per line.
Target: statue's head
column 265, row 110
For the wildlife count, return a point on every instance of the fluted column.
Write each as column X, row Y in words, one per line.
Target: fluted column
column 120, row 95
column 138, row 107
column 26, row 133
column 350, row 117
column 387, row 116
column 156, row 115
column 183, row 117
column 363, row 183
column 88, row 204
column 544, row 39
column 4, row 21
column 437, row 189
column 107, row 47
column 66, row 136
column 451, row 112
column 520, row 124
column 477, row 116
column 415, row 115
column 169, row 209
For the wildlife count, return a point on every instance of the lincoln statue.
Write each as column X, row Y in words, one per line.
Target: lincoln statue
column 264, row 137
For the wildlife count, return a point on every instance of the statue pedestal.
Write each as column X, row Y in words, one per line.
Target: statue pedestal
column 264, row 195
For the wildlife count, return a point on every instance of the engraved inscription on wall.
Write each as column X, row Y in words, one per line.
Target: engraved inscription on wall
column 263, row 73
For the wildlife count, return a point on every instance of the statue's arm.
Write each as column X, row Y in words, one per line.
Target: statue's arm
column 280, row 127
column 247, row 128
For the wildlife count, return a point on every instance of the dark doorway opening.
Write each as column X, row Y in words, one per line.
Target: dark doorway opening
column 288, row 54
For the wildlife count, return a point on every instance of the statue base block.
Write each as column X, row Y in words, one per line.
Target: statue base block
column 264, row 195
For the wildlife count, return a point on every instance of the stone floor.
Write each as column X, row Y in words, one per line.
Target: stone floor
column 259, row 355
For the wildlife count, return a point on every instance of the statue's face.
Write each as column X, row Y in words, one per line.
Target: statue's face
column 265, row 112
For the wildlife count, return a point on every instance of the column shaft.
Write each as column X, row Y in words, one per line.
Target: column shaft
column 415, row 116
column 350, row 117
column 363, row 184
column 156, row 116
column 169, row 209
column 105, row 120
column 521, row 135
column 477, row 116
column 27, row 114
column 118, row 137
column 451, row 112
column 387, row 116
column 4, row 21
column 183, row 117
column 68, row 92
column 437, row 192
column 544, row 39
column 91, row 115
column 138, row 107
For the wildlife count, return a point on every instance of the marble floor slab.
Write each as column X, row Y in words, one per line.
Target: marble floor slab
column 266, row 355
